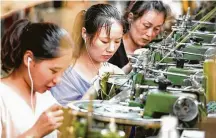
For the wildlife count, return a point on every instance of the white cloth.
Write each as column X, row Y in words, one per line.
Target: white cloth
column 16, row 116
column 112, row 69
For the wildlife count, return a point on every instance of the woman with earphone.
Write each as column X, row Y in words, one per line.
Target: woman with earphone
column 97, row 34
column 34, row 56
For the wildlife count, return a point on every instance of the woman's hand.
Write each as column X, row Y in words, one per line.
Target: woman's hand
column 127, row 68
column 112, row 69
column 48, row 121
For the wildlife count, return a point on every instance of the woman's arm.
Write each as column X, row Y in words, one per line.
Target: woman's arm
column 29, row 134
column 127, row 68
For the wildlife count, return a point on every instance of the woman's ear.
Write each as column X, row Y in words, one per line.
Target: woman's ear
column 130, row 17
column 84, row 34
column 28, row 57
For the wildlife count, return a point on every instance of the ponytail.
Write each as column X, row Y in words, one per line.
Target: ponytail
column 11, row 51
column 77, row 33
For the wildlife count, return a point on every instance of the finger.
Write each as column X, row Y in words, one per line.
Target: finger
column 52, row 127
column 59, row 119
column 57, row 125
column 54, row 107
column 57, row 113
column 54, row 116
column 53, row 119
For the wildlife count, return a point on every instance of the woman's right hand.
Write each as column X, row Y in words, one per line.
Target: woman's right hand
column 48, row 121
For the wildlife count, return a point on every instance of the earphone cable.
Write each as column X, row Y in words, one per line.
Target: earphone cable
column 29, row 73
column 97, row 69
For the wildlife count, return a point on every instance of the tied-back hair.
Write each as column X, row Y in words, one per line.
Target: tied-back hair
column 138, row 8
column 77, row 32
column 96, row 17
column 43, row 39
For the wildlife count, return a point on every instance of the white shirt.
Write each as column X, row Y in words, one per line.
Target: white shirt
column 16, row 116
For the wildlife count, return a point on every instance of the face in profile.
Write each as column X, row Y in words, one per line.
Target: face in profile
column 47, row 73
column 103, row 45
column 144, row 29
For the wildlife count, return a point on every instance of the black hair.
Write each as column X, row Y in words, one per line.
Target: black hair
column 138, row 8
column 43, row 39
column 93, row 19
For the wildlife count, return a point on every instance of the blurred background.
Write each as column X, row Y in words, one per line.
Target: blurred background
column 63, row 13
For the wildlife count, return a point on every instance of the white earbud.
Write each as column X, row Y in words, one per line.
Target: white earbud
column 85, row 40
column 29, row 59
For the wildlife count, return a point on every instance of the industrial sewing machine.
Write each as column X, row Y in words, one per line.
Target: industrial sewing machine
column 175, row 87
column 174, row 77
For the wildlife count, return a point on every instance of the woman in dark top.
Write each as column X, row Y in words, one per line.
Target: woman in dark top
column 144, row 22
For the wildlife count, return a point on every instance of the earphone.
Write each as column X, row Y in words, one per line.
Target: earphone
column 30, row 77
column 89, row 54
column 84, row 39
column 29, row 59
